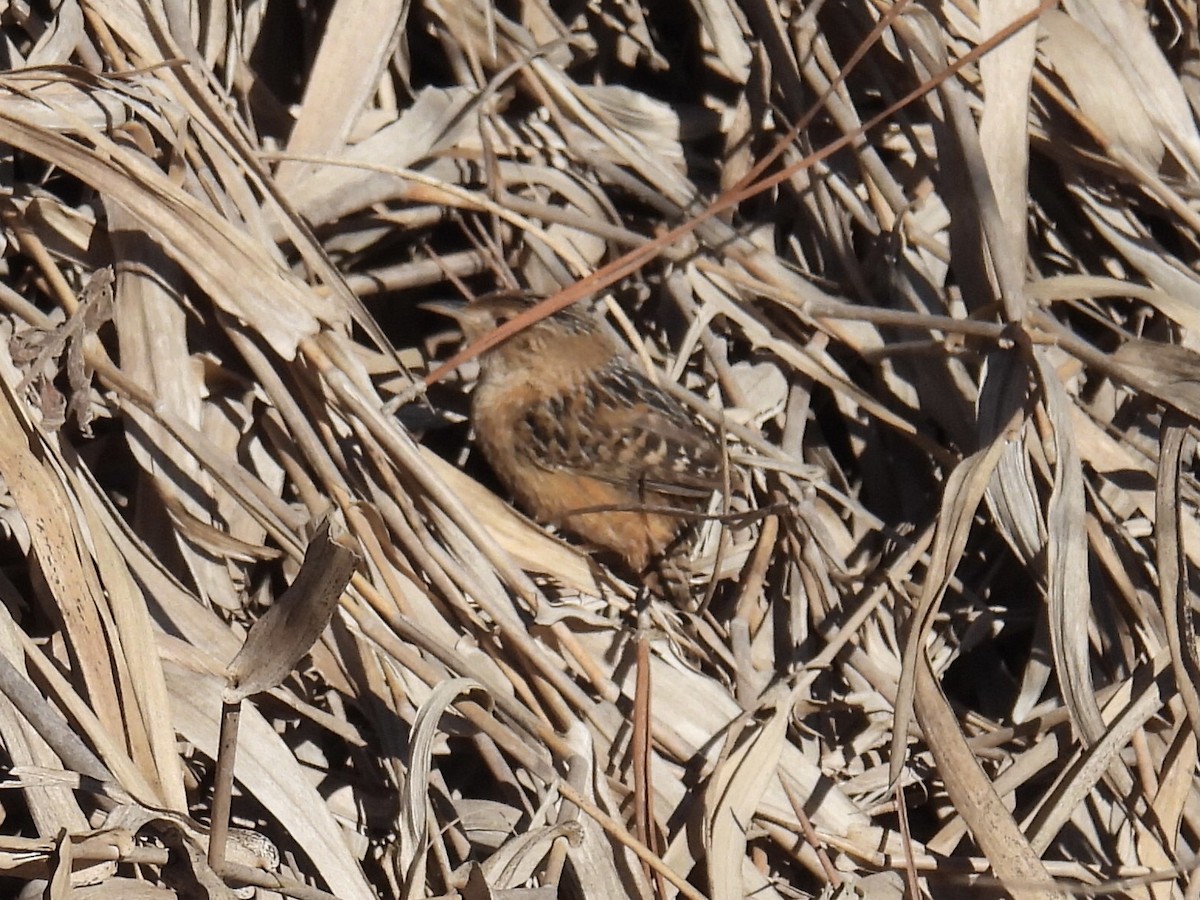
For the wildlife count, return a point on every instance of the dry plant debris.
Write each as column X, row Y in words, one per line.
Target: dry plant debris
column 947, row 328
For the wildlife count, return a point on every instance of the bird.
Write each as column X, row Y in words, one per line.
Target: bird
column 583, row 440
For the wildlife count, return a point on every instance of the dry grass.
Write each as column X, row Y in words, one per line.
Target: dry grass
column 948, row 330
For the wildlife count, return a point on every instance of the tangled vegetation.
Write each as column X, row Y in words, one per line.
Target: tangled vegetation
column 929, row 271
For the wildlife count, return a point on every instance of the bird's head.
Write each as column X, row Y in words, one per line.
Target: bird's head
column 570, row 337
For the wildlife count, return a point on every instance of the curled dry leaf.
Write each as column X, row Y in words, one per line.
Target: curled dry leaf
column 288, row 630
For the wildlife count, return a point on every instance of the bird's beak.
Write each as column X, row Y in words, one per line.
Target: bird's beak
column 467, row 319
column 473, row 321
column 453, row 309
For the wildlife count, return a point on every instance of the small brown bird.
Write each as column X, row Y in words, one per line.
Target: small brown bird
column 568, row 423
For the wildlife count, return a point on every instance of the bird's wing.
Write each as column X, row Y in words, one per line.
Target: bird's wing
column 617, row 426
